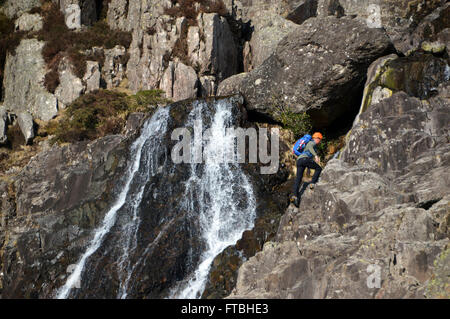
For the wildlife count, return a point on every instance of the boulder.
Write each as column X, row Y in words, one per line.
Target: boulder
column 70, row 87
column 320, row 72
column 268, row 30
column 23, row 82
column 29, row 22
column 26, row 125
column 92, row 76
column 179, row 82
column 113, row 70
column 300, row 11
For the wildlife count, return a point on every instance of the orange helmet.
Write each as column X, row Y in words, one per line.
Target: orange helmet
column 317, row 135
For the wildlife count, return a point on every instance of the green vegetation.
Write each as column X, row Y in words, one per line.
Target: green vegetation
column 298, row 123
column 100, row 113
column 301, row 124
column 439, row 284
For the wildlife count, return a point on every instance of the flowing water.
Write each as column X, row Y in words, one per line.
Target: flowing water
column 151, row 130
column 217, row 199
column 226, row 203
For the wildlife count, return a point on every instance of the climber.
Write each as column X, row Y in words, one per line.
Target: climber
column 305, row 159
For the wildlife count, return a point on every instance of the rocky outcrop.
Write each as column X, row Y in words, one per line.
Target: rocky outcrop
column 15, row 8
column 398, row 18
column 179, row 82
column 406, row 22
column 113, row 70
column 29, row 22
column 378, row 218
column 268, row 30
column 79, row 12
column 435, row 27
column 65, row 191
column 320, row 72
column 418, row 74
column 25, row 121
column 207, row 44
column 92, row 77
column 23, row 82
column 149, row 53
column 211, row 47
column 70, row 87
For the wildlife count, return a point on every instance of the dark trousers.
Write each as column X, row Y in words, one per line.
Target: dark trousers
column 302, row 163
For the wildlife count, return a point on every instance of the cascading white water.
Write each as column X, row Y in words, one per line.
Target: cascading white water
column 129, row 231
column 218, row 200
column 226, row 203
column 152, row 132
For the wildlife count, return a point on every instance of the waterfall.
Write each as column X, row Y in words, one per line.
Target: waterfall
column 226, row 203
column 212, row 198
column 153, row 129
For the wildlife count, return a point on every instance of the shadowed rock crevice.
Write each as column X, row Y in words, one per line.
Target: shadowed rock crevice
column 428, row 204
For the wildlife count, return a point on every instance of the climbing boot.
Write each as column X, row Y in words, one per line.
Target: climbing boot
column 294, row 200
column 312, row 185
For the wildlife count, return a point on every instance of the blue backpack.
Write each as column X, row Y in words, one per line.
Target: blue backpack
column 301, row 144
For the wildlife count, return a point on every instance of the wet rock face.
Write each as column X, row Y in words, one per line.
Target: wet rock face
column 272, row 193
column 62, row 194
column 378, row 218
column 312, row 70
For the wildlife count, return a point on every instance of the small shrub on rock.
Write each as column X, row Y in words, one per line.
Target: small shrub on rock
column 100, row 113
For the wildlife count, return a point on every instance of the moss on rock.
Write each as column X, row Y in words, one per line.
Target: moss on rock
column 439, row 284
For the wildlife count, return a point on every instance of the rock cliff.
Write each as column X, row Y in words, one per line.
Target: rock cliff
column 373, row 74
column 380, row 209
